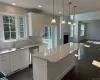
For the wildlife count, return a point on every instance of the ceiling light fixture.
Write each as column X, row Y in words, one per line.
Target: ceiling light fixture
column 59, row 12
column 39, row 6
column 63, row 20
column 74, row 23
column 13, row 4
column 53, row 19
column 69, row 22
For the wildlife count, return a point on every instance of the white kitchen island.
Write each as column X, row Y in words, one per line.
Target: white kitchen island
column 54, row 64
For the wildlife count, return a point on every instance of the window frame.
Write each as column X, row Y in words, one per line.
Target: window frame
column 24, row 21
column 16, row 27
column 82, row 32
column 71, row 31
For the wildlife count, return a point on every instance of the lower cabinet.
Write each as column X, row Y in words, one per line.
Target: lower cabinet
column 24, row 58
column 4, row 63
column 19, row 59
column 11, row 62
column 15, row 58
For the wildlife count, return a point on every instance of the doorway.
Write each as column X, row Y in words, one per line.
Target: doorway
column 50, row 36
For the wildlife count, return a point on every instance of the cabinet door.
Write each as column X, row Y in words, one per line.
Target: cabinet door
column 36, row 24
column 19, row 59
column 5, row 63
column 15, row 58
column 33, row 22
column 41, row 24
column 24, row 58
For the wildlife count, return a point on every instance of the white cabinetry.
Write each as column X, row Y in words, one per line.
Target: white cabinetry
column 15, row 58
column 19, row 59
column 24, row 58
column 36, row 24
column 4, row 63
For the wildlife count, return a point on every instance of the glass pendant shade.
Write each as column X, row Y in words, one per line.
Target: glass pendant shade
column 63, row 21
column 74, row 23
column 53, row 20
column 69, row 22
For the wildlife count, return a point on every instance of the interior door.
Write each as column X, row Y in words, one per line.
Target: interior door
column 50, row 36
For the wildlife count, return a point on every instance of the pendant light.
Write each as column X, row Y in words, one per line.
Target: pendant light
column 69, row 22
column 63, row 20
column 74, row 23
column 53, row 19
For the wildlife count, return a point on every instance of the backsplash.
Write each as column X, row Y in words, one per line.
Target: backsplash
column 21, row 43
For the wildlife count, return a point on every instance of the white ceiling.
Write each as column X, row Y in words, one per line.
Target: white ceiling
column 83, row 6
column 89, row 21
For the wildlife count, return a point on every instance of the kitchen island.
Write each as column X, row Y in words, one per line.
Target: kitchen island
column 54, row 64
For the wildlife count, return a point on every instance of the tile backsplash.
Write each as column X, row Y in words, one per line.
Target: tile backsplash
column 21, row 43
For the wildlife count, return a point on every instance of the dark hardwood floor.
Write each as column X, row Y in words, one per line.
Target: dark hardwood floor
column 84, row 70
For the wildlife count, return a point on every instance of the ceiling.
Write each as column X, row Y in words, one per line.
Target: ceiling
column 83, row 6
column 90, row 21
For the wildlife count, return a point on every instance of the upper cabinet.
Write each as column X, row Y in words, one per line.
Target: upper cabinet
column 36, row 24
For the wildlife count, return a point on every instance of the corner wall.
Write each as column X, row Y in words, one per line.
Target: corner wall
column 93, row 30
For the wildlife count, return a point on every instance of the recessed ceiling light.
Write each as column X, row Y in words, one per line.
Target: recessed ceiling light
column 13, row 4
column 59, row 12
column 39, row 6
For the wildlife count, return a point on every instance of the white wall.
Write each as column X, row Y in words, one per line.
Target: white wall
column 93, row 30
column 83, row 17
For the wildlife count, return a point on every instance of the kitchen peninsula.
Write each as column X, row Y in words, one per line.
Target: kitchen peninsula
column 53, row 64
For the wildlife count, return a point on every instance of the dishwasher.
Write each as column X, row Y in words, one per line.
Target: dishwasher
column 33, row 50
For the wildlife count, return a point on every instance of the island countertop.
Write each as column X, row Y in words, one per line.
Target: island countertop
column 58, row 53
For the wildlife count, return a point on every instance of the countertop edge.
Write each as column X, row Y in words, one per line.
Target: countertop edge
column 22, row 48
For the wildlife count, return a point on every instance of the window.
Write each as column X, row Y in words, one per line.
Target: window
column 21, row 27
column 82, row 31
column 47, row 34
column 14, row 26
column 9, row 27
column 71, row 31
column 47, row 37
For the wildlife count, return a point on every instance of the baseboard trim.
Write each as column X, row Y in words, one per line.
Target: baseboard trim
column 17, row 70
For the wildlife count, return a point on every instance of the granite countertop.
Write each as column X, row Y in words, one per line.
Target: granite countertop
column 17, row 49
column 58, row 53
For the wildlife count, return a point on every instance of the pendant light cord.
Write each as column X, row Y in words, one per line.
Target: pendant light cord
column 69, row 10
column 74, row 12
column 53, row 8
column 63, row 8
